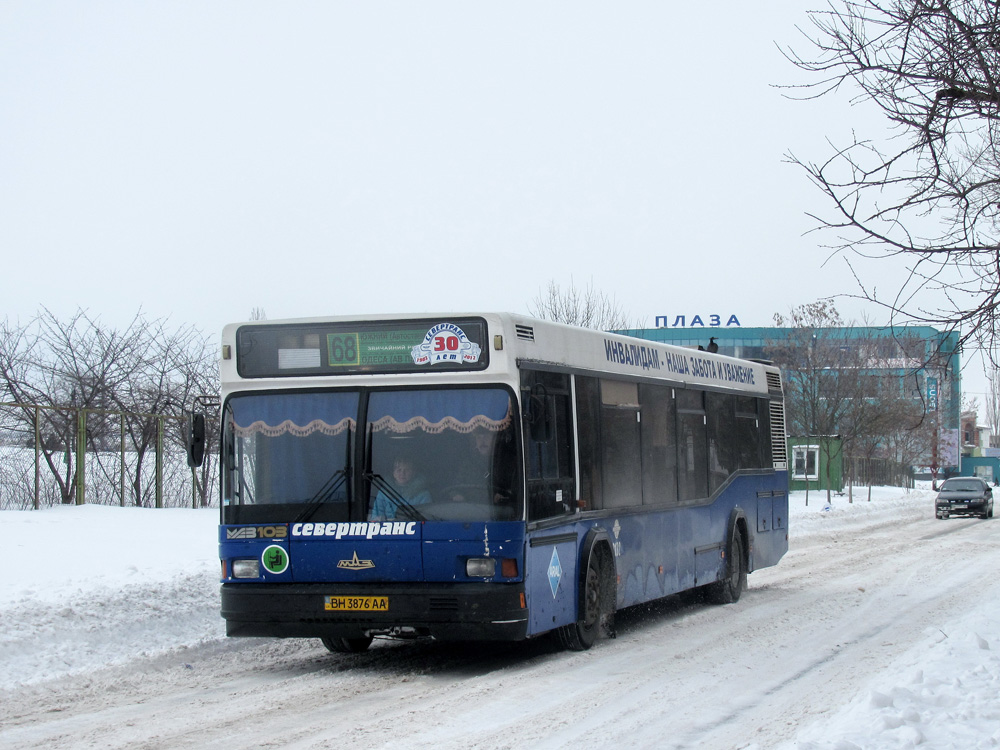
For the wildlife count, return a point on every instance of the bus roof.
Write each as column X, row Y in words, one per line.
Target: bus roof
column 504, row 342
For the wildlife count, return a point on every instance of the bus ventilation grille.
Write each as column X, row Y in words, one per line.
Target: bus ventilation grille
column 779, row 452
column 525, row 332
column 443, row 604
column 773, row 381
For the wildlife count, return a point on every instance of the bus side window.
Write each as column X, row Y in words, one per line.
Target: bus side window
column 659, row 445
column 723, row 440
column 548, row 462
column 692, row 445
column 588, row 430
column 748, row 433
column 621, row 453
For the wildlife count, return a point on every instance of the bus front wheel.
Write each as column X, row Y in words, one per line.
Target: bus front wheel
column 594, row 610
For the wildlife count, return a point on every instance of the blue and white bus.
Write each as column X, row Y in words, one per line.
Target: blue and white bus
column 485, row 477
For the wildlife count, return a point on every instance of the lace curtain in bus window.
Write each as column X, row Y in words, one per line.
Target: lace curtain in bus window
column 435, row 412
column 299, row 414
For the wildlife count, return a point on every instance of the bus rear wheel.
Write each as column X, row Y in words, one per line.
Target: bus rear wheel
column 728, row 590
column 347, row 645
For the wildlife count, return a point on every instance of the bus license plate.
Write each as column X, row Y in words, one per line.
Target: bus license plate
column 357, row 604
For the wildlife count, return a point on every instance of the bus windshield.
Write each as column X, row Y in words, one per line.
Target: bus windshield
column 430, row 454
column 442, row 455
column 288, row 455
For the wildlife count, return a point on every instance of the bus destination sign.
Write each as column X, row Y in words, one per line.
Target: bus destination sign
column 371, row 348
column 294, row 349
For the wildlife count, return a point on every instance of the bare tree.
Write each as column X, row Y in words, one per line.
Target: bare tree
column 67, row 366
column 819, row 381
column 837, row 382
column 82, row 364
column 931, row 194
column 907, row 434
column 993, row 402
column 888, row 432
column 174, row 367
column 588, row 307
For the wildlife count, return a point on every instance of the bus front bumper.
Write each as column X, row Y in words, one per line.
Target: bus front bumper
column 454, row 612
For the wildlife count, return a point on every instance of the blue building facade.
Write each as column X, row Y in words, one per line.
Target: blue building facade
column 924, row 361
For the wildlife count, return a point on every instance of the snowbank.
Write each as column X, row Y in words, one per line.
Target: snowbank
column 71, row 550
column 944, row 693
column 92, row 586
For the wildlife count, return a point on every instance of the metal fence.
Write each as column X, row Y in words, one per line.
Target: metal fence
column 876, row 472
column 64, row 455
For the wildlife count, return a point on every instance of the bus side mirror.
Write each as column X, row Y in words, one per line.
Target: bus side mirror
column 194, row 439
column 539, row 415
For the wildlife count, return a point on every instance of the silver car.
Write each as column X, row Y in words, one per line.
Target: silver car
column 964, row 496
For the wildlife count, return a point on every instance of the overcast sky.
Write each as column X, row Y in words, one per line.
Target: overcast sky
column 198, row 160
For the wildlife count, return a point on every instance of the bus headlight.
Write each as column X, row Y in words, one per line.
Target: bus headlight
column 246, row 569
column 480, row 567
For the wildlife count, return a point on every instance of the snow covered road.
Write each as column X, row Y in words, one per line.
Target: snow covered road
column 866, row 592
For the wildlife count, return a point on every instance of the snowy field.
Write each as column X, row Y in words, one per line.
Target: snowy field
column 96, row 599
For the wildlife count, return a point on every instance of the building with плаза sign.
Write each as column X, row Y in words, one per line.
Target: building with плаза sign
column 922, row 361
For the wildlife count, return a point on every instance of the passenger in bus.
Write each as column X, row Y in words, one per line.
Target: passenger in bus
column 409, row 485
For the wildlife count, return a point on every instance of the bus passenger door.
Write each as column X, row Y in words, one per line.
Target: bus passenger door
column 551, row 574
column 548, row 444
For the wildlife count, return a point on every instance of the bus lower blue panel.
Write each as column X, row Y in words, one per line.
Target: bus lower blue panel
column 552, row 580
column 373, row 552
column 769, row 547
column 447, row 546
column 656, row 552
column 356, row 561
column 765, row 512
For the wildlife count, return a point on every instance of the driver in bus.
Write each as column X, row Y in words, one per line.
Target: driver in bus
column 482, row 475
column 411, row 487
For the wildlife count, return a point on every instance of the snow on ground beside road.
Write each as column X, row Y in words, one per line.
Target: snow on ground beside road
column 87, row 587
column 842, row 513
column 74, row 550
column 943, row 693
column 91, row 586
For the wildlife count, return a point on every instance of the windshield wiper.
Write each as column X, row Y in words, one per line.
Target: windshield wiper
column 324, row 493
column 247, row 492
column 393, row 495
column 329, row 487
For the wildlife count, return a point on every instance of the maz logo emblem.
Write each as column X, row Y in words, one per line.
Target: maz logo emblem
column 355, row 564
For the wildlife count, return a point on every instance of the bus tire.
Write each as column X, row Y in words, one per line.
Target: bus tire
column 595, row 613
column 728, row 590
column 347, row 645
